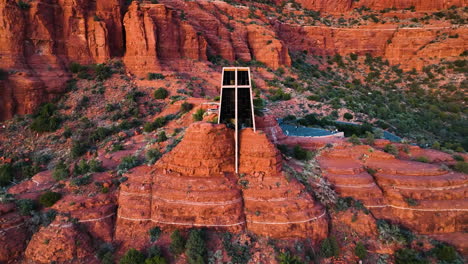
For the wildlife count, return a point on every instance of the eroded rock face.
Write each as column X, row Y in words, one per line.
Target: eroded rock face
column 195, row 186
column 13, row 232
column 421, row 196
column 408, row 47
column 275, row 205
column 192, row 186
column 62, row 241
column 38, row 43
column 336, row 6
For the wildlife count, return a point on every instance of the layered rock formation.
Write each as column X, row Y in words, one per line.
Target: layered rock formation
column 38, row 42
column 338, row 6
column 408, row 47
column 195, row 186
column 275, row 204
column 421, row 196
column 154, row 33
column 62, row 241
column 192, row 186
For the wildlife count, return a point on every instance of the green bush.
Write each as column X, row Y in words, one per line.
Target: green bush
column 329, row 247
column 78, row 149
column 25, row 206
column 288, row 258
column 348, row 116
column 160, row 93
column 198, row 116
column 60, row 171
column 80, row 181
column 409, row 256
column 46, row 119
column 445, row 253
column 156, row 260
column 84, row 167
column 370, row 138
column 186, row 107
column 391, row 149
column 422, row 159
column 354, row 140
column 155, row 76
column 127, row 163
column 76, row 67
column 152, row 155
column 390, row 233
column 301, row 153
column 177, row 243
column 461, row 166
column 196, row 247
column 154, row 232
column 49, row 198
column 157, row 123
column 162, row 136
column 102, row 72
column 132, row 256
column 6, row 174
column 360, row 251
column 24, row 5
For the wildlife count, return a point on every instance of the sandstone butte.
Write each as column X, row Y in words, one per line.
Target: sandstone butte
column 194, row 186
column 204, row 192
column 39, row 43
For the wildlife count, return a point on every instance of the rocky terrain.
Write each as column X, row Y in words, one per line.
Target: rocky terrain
column 110, row 153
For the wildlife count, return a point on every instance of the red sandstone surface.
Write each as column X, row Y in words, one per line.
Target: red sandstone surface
column 174, row 35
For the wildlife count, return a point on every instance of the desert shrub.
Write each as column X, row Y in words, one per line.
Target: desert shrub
column 24, row 5
column 301, row 153
column 279, row 94
column 288, row 258
column 162, row 136
column 370, row 138
column 25, row 206
column 102, row 71
column 117, row 147
column 354, row 140
column 329, row 247
column 390, row 233
column 101, row 133
column 239, row 252
column 76, row 67
column 360, row 251
column 458, row 157
column 155, row 76
column 198, row 116
column 154, row 232
column 78, row 149
column 84, row 167
column 105, row 253
column 411, row 201
column 348, row 116
column 60, row 171
column 409, row 256
column 156, row 260
column 422, row 159
column 80, row 181
column 445, row 253
column 196, row 247
column 391, row 149
column 160, row 93
column 46, row 119
column 132, row 256
column 49, row 198
column 152, row 155
column 6, row 174
column 157, row 123
column 185, row 107
column 461, row 166
column 177, row 245
column 127, row 163
column 353, row 56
